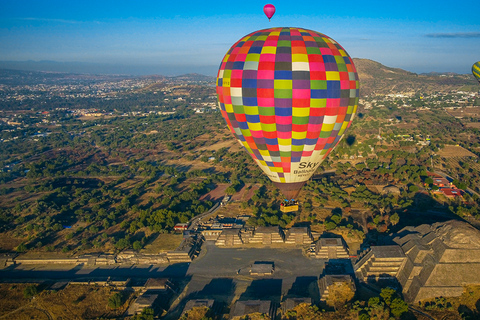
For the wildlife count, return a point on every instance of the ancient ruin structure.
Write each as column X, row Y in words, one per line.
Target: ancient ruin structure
column 441, row 259
column 242, row 308
column 291, row 303
column 379, row 263
column 229, row 237
column 298, row 236
column 328, row 282
column 267, row 236
column 262, row 269
column 198, row 303
column 330, row 248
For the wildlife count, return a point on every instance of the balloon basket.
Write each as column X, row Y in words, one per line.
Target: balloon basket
column 291, row 208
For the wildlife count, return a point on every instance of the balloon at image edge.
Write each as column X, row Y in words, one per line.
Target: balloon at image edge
column 288, row 95
column 476, row 70
column 269, row 10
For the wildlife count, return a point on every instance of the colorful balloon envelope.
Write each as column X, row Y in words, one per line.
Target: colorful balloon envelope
column 476, row 70
column 288, row 96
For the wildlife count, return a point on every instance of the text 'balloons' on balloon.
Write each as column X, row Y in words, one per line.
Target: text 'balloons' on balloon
column 476, row 70
column 269, row 10
column 288, row 96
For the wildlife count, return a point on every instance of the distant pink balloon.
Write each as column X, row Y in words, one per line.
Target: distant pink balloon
column 269, row 10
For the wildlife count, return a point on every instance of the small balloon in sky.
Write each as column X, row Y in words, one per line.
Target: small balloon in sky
column 269, row 10
column 476, row 70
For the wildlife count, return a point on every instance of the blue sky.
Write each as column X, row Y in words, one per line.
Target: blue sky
column 164, row 35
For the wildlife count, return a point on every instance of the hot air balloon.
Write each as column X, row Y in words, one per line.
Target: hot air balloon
column 476, row 70
column 269, row 10
column 288, row 95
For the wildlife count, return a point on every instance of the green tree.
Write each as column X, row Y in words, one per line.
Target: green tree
column 398, row 307
column 21, row 248
column 30, row 291
column 330, row 225
column 413, row 188
column 147, row 314
column 336, row 218
column 387, row 294
column 115, row 301
column 137, row 245
column 230, row 190
column 395, row 218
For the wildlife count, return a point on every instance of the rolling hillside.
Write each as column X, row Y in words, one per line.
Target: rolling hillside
column 376, row 78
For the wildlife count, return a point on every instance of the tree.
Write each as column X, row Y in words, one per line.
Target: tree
column 137, row 245
column 21, row 248
column 30, row 291
column 147, row 314
column 330, row 225
column 340, row 293
column 387, row 294
column 115, row 301
column 395, row 218
column 230, row 190
column 413, row 188
column 398, row 307
column 336, row 218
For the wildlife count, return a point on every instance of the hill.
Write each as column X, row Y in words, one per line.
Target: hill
column 376, row 78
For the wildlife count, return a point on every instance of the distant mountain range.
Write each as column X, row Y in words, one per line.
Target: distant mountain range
column 375, row 78
column 24, row 77
column 106, row 68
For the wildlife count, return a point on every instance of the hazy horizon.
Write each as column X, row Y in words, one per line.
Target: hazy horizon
column 417, row 36
column 130, row 70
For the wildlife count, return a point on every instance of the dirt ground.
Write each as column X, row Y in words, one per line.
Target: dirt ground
column 217, row 193
column 72, row 302
column 475, row 125
column 230, row 143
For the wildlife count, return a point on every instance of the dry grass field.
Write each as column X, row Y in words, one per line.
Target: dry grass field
column 454, row 151
column 163, row 242
column 450, row 308
column 475, row 125
column 73, row 302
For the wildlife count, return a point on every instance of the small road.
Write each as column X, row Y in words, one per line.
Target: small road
column 195, row 220
column 421, row 312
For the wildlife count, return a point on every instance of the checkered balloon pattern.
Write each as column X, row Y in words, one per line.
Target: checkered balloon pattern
column 476, row 70
column 288, row 95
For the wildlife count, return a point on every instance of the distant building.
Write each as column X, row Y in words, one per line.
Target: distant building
column 180, row 227
column 267, row 236
column 262, row 269
column 451, row 193
column 146, row 300
column 243, row 308
column 198, row 303
column 380, row 263
column 291, row 303
column 441, row 182
column 158, row 284
column 229, row 237
column 331, row 248
column 298, row 236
